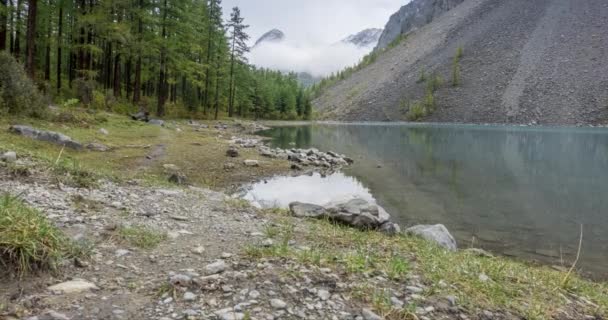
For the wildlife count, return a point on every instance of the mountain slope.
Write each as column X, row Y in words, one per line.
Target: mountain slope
column 412, row 16
column 524, row 61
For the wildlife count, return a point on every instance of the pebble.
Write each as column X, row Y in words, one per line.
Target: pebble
column 278, row 304
column 181, row 280
column 74, row 286
column 370, row 315
column 217, row 267
column 198, row 250
column 189, row 296
column 268, row 243
column 323, row 294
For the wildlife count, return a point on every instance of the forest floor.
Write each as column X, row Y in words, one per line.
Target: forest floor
column 156, row 250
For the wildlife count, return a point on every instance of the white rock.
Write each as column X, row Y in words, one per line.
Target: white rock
column 189, row 296
column 254, row 294
column 198, row 250
column 217, row 267
column 370, row 315
column 323, row 294
column 268, row 243
column 9, row 156
column 278, row 304
column 483, row 277
column 121, row 252
column 104, row 131
column 252, row 163
column 74, row 286
column 229, row 314
column 436, row 233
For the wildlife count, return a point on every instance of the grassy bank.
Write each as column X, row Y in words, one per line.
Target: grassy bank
column 137, row 150
column 479, row 282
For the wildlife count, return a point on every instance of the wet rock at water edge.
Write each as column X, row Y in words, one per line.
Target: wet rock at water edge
column 436, row 233
column 358, row 213
column 306, row 210
column 48, row 136
column 390, row 228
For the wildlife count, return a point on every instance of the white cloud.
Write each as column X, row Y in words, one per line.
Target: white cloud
column 318, row 60
column 311, row 27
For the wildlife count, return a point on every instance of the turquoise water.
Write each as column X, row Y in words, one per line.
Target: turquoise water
column 517, row 191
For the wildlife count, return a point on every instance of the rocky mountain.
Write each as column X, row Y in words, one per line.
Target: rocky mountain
column 274, row 35
column 541, row 61
column 412, row 16
column 365, row 38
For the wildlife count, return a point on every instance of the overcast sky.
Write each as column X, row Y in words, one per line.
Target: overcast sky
column 314, row 21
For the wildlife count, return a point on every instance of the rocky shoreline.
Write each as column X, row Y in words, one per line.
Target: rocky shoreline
column 217, row 257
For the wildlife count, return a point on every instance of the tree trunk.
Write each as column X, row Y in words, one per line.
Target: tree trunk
column 137, row 85
column 59, row 45
column 117, row 75
column 3, row 22
column 31, row 38
column 128, row 78
column 11, row 25
column 17, row 48
column 217, row 88
column 162, row 86
column 47, row 58
column 209, row 49
column 231, row 77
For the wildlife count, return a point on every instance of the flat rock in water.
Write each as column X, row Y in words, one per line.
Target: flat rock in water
column 436, row 233
column 74, row 286
column 306, row 210
column 48, row 136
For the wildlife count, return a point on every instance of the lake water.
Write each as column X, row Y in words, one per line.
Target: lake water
column 516, row 191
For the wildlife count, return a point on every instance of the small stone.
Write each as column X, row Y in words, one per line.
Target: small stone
column 370, row 315
column 414, row 289
column 226, row 255
column 179, row 218
column 104, row 131
column 451, row 300
column 323, row 294
column 54, row 315
column 483, row 277
column 217, row 267
column 251, row 163
column 254, row 294
column 10, row 156
column 268, row 243
column 99, row 147
column 198, row 250
column 232, row 152
column 181, row 280
column 396, row 302
column 74, row 286
column 121, row 252
column 189, row 296
column 278, row 304
column 229, row 314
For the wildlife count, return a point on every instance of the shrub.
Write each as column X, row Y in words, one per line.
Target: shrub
column 433, row 83
column 18, row 94
column 456, row 67
column 422, row 77
column 417, row 111
column 28, row 241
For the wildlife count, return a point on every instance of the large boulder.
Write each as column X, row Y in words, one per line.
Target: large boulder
column 436, row 233
column 48, row 136
column 306, row 210
column 358, row 213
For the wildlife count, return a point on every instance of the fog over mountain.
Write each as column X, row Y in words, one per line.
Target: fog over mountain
column 312, row 30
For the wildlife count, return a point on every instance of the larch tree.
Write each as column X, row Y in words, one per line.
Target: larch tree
column 239, row 47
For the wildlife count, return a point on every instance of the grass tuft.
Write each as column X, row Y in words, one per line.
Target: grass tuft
column 28, row 241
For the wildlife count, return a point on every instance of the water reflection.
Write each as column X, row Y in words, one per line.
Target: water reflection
column 279, row 192
column 518, row 191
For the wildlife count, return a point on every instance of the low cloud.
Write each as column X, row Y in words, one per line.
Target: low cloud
column 318, row 60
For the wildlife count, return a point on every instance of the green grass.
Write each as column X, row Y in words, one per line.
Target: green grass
column 28, row 241
column 532, row 291
column 139, row 236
